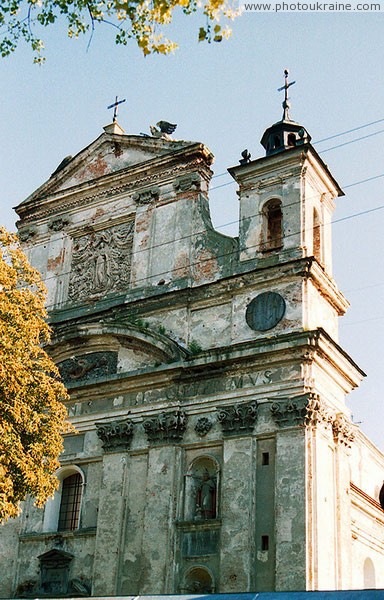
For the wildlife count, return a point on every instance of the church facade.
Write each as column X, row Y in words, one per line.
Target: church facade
column 214, row 449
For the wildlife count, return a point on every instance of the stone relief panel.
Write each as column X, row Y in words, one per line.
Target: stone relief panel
column 88, row 366
column 101, row 262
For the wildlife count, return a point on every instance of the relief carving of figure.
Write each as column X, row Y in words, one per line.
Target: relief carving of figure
column 101, row 262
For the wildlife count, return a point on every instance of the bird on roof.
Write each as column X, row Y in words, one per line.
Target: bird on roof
column 163, row 129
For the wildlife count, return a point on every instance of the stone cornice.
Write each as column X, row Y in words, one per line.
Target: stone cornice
column 326, row 286
column 161, row 169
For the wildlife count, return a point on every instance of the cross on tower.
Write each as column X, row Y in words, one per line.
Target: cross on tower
column 286, row 104
column 115, row 107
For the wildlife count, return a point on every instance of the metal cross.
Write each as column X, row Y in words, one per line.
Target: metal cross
column 115, row 107
column 286, row 105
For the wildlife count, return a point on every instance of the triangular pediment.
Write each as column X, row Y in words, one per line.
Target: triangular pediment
column 108, row 154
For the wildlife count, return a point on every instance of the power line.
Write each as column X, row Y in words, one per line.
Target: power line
column 236, row 221
column 225, row 255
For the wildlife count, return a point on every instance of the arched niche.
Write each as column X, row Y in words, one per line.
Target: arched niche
column 54, row 505
column 95, row 350
column 272, row 225
column 369, row 574
column 201, row 489
column 198, row 580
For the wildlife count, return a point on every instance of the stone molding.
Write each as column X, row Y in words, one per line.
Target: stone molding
column 108, row 192
column 115, row 435
column 166, row 427
column 238, row 418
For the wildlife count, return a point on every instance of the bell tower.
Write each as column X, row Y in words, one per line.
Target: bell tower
column 287, row 199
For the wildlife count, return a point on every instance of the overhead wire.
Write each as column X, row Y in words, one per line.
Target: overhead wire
column 225, row 255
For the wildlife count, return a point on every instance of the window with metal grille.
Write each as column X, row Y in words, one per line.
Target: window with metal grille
column 71, row 493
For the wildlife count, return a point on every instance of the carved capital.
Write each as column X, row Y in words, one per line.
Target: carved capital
column 187, row 182
column 292, row 412
column 115, row 435
column 147, row 196
column 166, row 427
column 58, row 224
column 343, row 432
column 26, row 233
column 203, row 426
column 239, row 418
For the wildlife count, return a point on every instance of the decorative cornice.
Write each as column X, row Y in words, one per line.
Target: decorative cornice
column 108, row 191
column 115, row 435
column 238, row 418
column 166, row 427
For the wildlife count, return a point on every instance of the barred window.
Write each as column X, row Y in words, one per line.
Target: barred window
column 70, row 503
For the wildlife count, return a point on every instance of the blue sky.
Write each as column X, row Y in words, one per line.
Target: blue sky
column 225, row 96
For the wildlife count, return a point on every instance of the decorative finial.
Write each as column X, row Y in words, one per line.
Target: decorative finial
column 286, row 105
column 115, row 107
column 246, row 157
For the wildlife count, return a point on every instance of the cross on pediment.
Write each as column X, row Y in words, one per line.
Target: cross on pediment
column 115, row 107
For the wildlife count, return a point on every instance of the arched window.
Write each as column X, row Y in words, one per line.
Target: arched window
column 291, row 139
column 369, row 574
column 63, row 511
column 272, row 225
column 316, row 235
column 198, row 580
column 201, row 489
column 71, row 493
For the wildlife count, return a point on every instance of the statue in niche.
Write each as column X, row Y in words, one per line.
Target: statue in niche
column 206, row 497
column 102, row 279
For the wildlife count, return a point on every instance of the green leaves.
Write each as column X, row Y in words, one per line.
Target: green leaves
column 32, row 414
column 139, row 20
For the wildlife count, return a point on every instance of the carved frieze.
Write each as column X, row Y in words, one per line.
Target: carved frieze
column 88, row 366
column 166, row 427
column 147, row 196
column 115, row 435
column 101, row 262
column 239, row 418
column 187, row 182
column 203, row 426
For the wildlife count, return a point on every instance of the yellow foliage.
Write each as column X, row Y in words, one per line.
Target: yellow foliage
column 32, row 413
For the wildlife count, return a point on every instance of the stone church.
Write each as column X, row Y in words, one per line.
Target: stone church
column 215, row 451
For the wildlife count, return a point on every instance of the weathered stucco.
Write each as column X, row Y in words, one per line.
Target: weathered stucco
column 215, row 455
